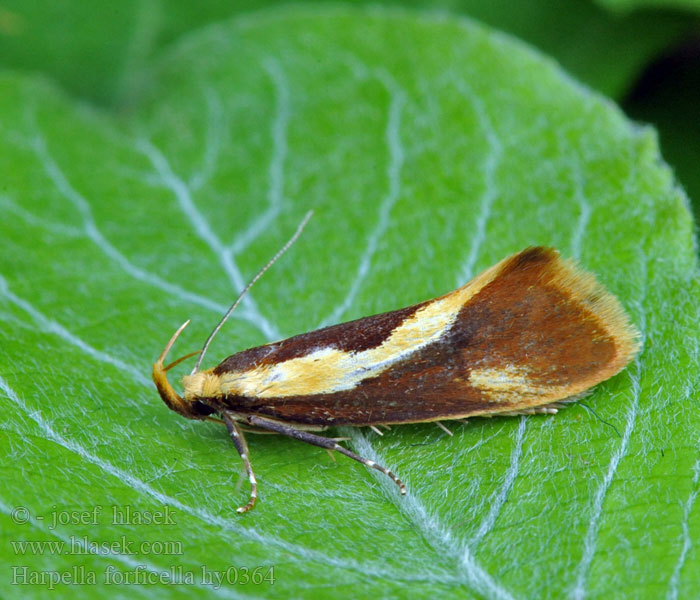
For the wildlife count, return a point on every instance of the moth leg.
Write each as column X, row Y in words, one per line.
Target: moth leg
column 535, row 410
column 239, row 441
column 322, row 442
column 255, row 431
column 441, row 426
column 544, row 409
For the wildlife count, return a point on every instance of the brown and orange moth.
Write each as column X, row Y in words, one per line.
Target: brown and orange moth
column 527, row 334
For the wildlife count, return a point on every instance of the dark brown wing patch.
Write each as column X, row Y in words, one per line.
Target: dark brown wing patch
column 353, row 336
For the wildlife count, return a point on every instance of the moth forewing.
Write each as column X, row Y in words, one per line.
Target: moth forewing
column 527, row 333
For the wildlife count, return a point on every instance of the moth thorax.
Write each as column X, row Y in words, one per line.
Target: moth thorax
column 201, row 385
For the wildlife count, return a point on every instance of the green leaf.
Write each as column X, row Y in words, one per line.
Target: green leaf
column 429, row 148
column 606, row 51
column 110, row 44
column 630, row 5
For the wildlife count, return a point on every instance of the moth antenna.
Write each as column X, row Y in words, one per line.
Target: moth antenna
column 259, row 274
column 175, row 363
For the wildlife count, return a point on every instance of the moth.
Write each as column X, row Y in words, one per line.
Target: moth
column 527, row 334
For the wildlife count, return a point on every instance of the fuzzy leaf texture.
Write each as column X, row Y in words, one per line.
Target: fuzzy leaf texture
column 429, row 148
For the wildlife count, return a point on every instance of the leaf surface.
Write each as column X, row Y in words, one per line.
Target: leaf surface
column 429, row 148
column 107, row 54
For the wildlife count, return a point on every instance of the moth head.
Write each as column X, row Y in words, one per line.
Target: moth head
column 190, row 407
